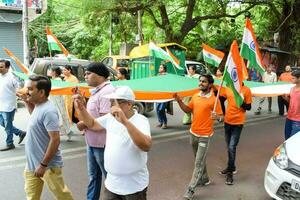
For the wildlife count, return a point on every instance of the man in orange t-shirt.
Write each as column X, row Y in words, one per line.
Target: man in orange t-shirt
column 202, row 108
column 233, row 125
column 285, row 77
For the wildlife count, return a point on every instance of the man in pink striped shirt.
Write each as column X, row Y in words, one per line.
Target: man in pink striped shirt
column 96, row 76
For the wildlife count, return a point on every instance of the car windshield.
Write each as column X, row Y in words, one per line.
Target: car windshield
column 123, row 62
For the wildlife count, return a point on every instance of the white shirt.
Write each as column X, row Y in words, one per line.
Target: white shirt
column 8, row 87
column 269, row 77
column 125, row 163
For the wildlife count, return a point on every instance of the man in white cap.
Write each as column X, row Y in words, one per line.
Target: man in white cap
column 128, row 140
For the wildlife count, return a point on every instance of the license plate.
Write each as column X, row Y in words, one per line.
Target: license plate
column 295, row 185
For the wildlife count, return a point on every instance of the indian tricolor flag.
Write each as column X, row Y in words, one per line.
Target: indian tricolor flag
column 233, row 74
column 212, row 56
column 173, row 56
column 158, row 52
column 250, row 48
column 54, row 44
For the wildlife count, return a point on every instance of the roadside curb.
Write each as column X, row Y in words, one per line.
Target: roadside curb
column 216, row 127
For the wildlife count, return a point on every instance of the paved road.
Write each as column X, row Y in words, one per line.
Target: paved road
column 170, row 162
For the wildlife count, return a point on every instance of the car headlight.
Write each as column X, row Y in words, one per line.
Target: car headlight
column 280, row 157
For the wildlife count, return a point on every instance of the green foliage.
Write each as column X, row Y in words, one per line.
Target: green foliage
column 83, row 26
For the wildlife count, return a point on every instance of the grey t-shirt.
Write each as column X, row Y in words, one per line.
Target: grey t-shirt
column 43, row 119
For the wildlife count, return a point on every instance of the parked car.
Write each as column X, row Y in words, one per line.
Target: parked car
column 43, row 66
column 116, row 61
column 200, row 67
column 294, row 68
column 282, row 176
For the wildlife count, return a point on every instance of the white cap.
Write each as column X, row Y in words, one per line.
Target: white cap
column 121, row 92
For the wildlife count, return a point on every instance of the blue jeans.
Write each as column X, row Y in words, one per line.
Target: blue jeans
column 95, row 161
column 6, row 120
column 291, row 128
column 161, row 112
column 232, row 138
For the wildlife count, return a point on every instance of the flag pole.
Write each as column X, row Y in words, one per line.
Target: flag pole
column 51, row 59
column 174, row 68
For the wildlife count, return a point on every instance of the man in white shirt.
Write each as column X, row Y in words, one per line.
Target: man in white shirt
column 8, row 87
column 128, row 140
column 268, row 77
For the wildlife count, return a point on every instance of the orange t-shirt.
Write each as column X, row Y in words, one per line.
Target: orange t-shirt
column 233, row 114
column 202, row 106
column 286, row 77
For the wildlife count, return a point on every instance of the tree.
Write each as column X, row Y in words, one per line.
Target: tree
column 83, row 26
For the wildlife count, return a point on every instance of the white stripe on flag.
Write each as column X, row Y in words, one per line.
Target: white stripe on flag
column 232, row 71
column 212, row 56
column 50, row 39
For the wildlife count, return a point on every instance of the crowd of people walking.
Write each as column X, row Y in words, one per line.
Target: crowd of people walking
column 114, row 131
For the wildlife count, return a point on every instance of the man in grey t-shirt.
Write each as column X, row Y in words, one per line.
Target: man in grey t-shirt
column 44, row 161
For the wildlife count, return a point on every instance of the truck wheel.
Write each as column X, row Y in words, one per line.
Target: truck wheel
column 139, row 107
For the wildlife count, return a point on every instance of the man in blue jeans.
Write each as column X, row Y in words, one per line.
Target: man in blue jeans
column 96, row 76
column 8, row 87
column 233, row 124
column 161, row 107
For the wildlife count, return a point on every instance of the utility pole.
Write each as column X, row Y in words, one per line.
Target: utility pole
column 110, row 34
column 140, row 31
column 25, row 33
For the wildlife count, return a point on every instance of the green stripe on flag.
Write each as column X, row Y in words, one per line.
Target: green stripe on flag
column 250, row 55
column 229, row 83
column 211, row 61
column 54, row 47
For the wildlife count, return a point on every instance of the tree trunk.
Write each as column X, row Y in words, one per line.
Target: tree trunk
column 288, row 32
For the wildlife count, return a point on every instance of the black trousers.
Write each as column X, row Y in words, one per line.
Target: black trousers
column 281, row 103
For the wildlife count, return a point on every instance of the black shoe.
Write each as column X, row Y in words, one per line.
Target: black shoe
column 229, row 179
column 189, row 194
column 21, row 137
column 9, row 147
column 225, row 171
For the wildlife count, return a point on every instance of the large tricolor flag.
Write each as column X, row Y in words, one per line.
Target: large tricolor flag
column 158, row 52
column 250, row 48
column 212, row 56
column 54, row 44
column 233, row 74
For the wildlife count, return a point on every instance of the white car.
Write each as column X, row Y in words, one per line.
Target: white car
column 282, row 177
column 200, row 67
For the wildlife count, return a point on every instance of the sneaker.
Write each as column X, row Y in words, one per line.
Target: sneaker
column 225, row 171
column 270, row 111
column 257, row 112
column 69, row 135
column 189, row 194
column 21, row 137
column 229, row 179
column 204, row 183
column 9, row 147
column 164, row 126
column 158, row 125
